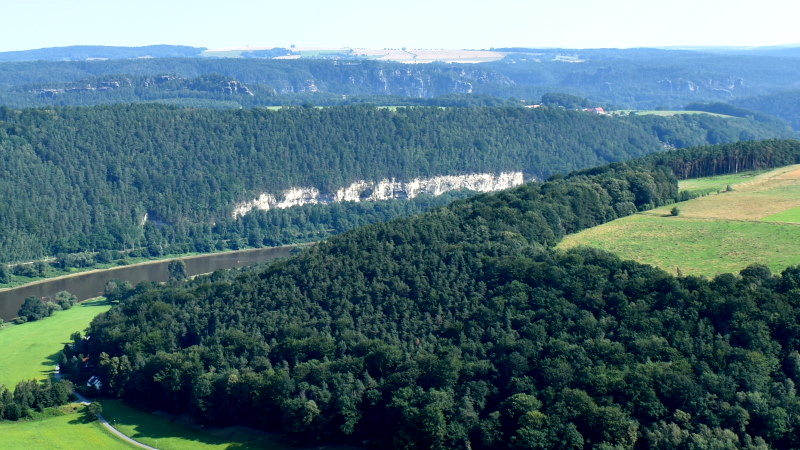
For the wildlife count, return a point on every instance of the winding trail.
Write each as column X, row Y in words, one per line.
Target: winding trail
column 85, row 401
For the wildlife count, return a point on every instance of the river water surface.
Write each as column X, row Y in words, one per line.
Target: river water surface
column 91, row 284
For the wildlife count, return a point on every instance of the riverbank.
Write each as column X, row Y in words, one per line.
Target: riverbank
column 137, row 262
column 90, row 283
column 31, row 350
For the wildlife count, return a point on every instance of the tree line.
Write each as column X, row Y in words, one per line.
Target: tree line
column 31, row 395
column 727, row 158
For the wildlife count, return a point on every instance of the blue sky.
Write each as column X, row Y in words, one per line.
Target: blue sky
column 421, row 24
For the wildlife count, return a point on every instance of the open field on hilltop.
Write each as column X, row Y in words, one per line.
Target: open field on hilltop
column 695, row 246
column 663, row 113
column 70, row 431
column 398, row 55
column 714, row 234
column 708, row 185
column 30, row 349
column 754, row 198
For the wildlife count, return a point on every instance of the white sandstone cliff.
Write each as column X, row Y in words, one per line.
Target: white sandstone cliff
column 385, row 189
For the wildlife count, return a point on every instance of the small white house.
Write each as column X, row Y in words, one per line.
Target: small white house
column 94, row 381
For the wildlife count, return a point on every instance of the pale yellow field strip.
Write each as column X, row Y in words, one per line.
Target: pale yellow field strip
column 766, row 194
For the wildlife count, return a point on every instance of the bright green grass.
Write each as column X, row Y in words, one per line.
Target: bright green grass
column 791, row 215
column 706, row 185
column 162, row 433
column 696, row 247
column 68, row 432
column 30, row 350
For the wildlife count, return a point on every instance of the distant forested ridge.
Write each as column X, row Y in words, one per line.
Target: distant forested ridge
column 785, row 104
column 632, row 78
column 100, row 52
column 155, row 178
column 463, row 328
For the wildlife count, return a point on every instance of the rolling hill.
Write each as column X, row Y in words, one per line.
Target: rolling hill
column 463, row 327
column 741, row 219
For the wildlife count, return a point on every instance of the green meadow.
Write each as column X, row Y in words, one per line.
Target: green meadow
column 790, row 215
column 30, row 350
column 757, row 222
column 69, row 430
column 702, row 186
column 166, row 432
column 695, row 246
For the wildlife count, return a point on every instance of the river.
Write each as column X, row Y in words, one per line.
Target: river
column 91, row 284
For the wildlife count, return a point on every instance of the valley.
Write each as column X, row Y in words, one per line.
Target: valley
column 90, row 284
column 513, row 248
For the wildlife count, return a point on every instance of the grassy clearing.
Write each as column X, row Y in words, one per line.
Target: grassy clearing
column 695, row 246
column 664, row 113
column 791, row 215
column 753, row 197
column 703, row 186
column 714, row 234
column 166, row 433
column 30, row 350
column 68, row 431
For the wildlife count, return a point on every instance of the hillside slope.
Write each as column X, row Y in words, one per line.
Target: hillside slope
column 739, row 223
column 461, row 328
column 128, row 177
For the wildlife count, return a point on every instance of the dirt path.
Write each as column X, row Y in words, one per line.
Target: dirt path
column 85, row 401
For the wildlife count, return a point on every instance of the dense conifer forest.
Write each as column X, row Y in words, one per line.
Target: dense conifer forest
column 96, row 173
column 464, row 328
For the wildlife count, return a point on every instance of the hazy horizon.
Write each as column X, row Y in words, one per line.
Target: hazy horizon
column 417, row 24
column 248, row 47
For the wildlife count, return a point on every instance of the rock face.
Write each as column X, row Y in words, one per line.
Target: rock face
column 385, row 189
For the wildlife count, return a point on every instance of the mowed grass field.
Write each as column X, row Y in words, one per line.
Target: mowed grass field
column 30, row 350
column 165, row 432
column 757, row 222
column 70, row 431
column 663, row 113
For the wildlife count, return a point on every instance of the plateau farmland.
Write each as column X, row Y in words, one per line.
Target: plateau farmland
column 738, row 220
